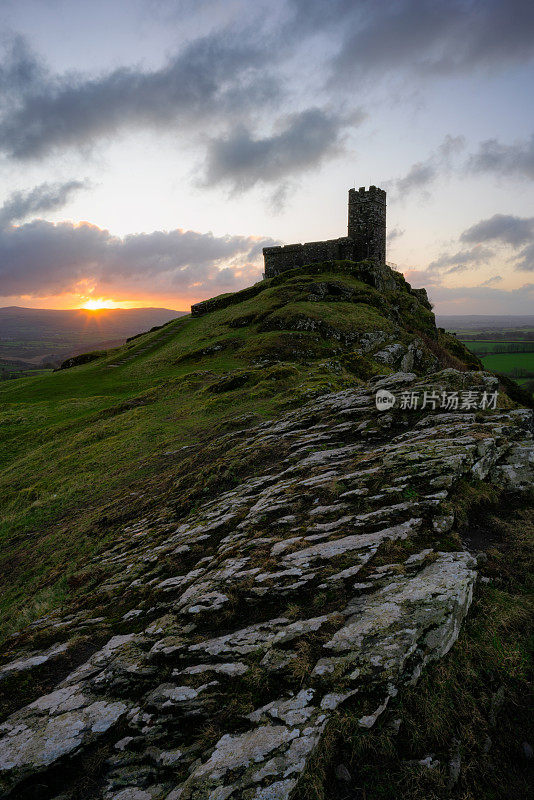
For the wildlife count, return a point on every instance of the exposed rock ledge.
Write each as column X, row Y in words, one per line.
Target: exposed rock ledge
column 220, row 678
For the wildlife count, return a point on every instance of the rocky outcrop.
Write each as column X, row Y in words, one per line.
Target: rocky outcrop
column 225, row 300
column 234, row 633
column 83, row 358
column 379, row 276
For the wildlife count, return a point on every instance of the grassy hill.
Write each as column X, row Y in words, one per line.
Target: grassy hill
column 84, row 448
column 149, row 501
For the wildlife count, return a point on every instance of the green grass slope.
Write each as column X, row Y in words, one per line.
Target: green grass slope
column 84, row 449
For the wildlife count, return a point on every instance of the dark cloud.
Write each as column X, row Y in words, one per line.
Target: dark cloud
column 514, row 160
column 214, row 78
column 504, row 227
column 220, row 82
column 41, row 258
column 501, row 229
column 428, row 37
column 303, row 140
column 460, row 259
column 449, row 264
column 424, row 173
column 525, row 259
column 46, row 197
column 491, row 281
column 456, row 269
column 21, row 72
column 278, row 198
column 218, row 79
column 418, row 176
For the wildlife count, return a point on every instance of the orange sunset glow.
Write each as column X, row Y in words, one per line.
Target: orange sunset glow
column 94, row 304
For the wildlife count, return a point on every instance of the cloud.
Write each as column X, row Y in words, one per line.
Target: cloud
column 425, row 37
column 394, row 233
column 514, row 232
column 225, row 82
column 424, row 173
column 46, row 197
column 458, row 260
column 212, row 79
column 419, row 175
column 514, row 160
column 278, row 198
column 492, row 280
column 21, row 72
column 525, row 259
column 504, row 227
column 517, row 232
column 482, row 299
column 449, row 264
column 303, row 140
column 40, row 258
column 422, row 277
column 456, row 269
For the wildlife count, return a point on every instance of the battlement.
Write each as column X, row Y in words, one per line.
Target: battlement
column 372, row 193
column 366, row 239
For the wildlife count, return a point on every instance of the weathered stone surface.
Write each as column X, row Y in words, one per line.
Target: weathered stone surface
column 424, row 612
column 324, row 580
column 51, row 728
column 31, row 660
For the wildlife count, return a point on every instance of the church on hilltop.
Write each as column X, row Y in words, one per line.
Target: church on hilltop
column 366, row 239
column 365, row 245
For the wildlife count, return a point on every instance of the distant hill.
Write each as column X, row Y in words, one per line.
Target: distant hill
column 455, row 322
column 36, row 335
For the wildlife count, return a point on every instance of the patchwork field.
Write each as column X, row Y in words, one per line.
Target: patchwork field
column 482, row 348
column 508, row 350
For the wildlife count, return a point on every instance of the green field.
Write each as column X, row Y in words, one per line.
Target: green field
column 9, row 370
column 512, row 357
column 499, row 346
column 519, row 366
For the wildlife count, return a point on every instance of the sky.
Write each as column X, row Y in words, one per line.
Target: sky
column 149, row 149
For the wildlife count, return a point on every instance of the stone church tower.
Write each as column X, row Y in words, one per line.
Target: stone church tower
column 366, row 240
column 367, row 224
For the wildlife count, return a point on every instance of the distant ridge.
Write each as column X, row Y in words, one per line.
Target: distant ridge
column 453, row 321
column 40, row 334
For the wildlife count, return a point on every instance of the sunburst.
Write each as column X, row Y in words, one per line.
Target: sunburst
column 96, row 303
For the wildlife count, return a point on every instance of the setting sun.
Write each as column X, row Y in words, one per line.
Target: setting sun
column 96, row 303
